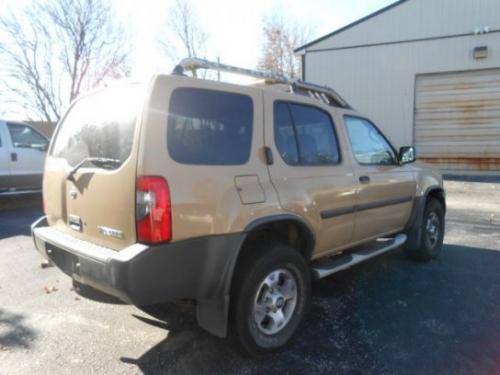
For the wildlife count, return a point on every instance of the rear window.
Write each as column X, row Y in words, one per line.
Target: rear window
column 209, row 127
column 100, row 125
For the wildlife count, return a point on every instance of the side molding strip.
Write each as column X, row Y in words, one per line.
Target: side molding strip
column 386, row 202
column 327, row 214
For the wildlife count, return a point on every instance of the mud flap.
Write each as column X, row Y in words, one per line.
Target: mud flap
column 212, row 315
column 414, row 229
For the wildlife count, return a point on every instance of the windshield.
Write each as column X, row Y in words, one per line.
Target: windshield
column 100, row 125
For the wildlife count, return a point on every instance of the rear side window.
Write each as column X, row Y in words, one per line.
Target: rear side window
column 284, row 134
column 305, row 135
column 209, row 127
column 100, row 125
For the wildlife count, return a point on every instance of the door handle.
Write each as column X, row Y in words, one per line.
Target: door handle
column 13, row 156
column 268, row 153
column 364, row 179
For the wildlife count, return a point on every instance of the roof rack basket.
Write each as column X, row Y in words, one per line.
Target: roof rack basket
column 322, row 93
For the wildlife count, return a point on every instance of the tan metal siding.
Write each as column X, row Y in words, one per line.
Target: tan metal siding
column 457, row 119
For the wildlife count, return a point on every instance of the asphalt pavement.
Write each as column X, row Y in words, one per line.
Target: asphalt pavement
column 389, row 315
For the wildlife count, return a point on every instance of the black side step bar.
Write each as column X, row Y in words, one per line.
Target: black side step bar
column 342, row 262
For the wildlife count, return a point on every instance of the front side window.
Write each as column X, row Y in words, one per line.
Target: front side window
column 209, row 127
column 368, row 144
column 25, row 137
column 304, row 135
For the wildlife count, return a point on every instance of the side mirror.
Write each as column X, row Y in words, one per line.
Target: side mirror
column 406, row 155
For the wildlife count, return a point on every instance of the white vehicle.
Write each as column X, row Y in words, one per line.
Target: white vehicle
column 22, row 156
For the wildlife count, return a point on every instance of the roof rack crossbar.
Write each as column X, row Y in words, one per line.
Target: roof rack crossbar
column 322, row 93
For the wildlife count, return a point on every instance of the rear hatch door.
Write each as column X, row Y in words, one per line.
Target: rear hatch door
column 90, row 173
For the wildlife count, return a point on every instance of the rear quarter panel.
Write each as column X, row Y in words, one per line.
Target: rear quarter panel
column 204, row 198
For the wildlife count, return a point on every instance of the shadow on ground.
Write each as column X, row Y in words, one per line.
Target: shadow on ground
column 13, row 332
column 17, row 214
column 389, row 315
column 10, row 202
column 95, row 295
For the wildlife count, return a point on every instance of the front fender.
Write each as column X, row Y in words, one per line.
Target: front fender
column 428, row 181
column 427, row 178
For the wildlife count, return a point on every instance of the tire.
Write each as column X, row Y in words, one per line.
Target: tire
column 431, row 242
column 264, row 288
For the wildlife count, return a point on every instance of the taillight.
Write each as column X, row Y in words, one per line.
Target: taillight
column 153, row 212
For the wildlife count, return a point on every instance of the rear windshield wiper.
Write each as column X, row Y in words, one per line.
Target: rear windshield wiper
column 100, row 162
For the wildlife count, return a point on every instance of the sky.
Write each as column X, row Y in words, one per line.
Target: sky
column 234, row 27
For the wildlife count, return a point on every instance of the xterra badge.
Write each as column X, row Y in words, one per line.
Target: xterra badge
column 110, row 232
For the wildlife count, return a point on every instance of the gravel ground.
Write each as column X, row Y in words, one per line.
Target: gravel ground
column 389, row 315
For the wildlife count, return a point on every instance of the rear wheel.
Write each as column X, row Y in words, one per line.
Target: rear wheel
column 432, row 231
column 270, row 298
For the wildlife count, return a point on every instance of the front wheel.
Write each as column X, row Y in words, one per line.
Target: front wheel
column 270, row 298
column 432, row 233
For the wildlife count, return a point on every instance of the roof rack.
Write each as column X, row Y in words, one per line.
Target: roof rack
column 321, row 93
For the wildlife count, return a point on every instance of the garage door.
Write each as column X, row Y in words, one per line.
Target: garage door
column 457, row 120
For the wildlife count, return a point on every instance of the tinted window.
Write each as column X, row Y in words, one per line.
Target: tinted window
column 99, row 125
column 308, row 128
column 284, row 134
column 24, row 137
column 368, row 144
column 317, row 143
column 209, row 127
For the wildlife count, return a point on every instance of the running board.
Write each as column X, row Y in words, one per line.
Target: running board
column 342, row 262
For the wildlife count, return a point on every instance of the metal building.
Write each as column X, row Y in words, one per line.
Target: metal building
column 427, row 72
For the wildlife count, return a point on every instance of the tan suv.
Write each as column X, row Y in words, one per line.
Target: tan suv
column 229, row 195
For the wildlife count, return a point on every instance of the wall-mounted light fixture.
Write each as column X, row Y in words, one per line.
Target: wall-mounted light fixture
column 481, row 30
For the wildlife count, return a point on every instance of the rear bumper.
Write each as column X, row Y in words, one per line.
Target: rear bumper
column 198, row 269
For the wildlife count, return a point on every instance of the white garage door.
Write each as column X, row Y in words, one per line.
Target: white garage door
column 457, row 119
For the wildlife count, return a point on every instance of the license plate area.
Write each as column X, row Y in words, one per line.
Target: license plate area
column 75, row 222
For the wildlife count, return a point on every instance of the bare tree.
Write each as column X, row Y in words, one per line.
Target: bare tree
column 184, row 35
column 57, row 48
column 281, row 37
